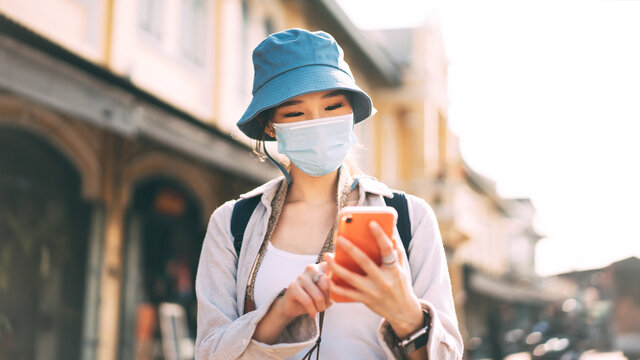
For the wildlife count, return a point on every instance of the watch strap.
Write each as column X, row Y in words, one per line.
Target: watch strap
column 418, row 338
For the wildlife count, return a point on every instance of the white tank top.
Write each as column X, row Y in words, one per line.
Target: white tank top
column 349, row 330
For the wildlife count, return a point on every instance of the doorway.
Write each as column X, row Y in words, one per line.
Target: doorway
column 163, row 242
column 44, row 226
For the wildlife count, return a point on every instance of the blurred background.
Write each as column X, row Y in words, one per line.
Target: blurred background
column 517, row 121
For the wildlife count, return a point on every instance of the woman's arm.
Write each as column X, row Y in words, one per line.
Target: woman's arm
column 222, row 333
column 303, row 296
column 431, row 281
column 389, row 292
column 272, row 324
column 385, row 290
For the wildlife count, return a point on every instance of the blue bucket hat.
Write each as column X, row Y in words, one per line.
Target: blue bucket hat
column 295, row 62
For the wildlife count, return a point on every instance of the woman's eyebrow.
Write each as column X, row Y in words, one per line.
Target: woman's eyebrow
column 296, row 102
column 332, row 94
column 289, row 103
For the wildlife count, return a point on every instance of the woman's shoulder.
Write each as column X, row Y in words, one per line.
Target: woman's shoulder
column 420, row 212
column 270, row 187
column 222, row 215
column 422, row 218
column 417, row 205
column 225, row 211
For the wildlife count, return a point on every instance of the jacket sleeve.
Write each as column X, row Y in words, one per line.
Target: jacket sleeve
column 432, row 285
column 221, row 332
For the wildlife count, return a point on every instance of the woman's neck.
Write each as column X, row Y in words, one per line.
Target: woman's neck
column 311, row 189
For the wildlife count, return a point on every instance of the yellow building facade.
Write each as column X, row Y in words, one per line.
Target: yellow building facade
column 108, row 141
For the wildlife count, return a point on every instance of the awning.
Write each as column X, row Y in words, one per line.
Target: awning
column 527, row 292
column 38, row 69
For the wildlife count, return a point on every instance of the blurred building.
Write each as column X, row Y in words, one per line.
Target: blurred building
column 110, row 166
column 489, row 240
column 609, row 298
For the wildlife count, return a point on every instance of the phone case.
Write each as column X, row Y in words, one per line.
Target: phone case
column 353, row 224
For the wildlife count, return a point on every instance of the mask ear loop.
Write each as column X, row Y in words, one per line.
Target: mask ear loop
column 277, row 164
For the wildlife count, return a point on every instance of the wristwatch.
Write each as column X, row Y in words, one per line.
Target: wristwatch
column 418, row 338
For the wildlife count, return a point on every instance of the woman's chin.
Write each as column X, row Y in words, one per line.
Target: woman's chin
column 297, row 172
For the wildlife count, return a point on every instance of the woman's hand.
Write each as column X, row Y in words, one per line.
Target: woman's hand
column 303, row 296
column 306, row 296
column 386, row 290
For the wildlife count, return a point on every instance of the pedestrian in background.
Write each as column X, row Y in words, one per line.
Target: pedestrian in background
column 272, row 298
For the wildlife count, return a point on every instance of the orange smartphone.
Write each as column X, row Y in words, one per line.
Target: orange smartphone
column 353, row 224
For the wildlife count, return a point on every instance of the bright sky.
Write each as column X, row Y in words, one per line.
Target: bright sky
column 545, row 96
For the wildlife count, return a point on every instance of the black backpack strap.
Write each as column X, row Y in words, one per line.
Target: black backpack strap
column 399, row 203
column 242, row 211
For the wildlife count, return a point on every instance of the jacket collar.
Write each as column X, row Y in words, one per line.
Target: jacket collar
column 366, row 184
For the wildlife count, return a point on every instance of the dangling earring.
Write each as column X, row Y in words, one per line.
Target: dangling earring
column 270, row 131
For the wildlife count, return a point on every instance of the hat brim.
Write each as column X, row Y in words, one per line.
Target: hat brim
column 300, row 81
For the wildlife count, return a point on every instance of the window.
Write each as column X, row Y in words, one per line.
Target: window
column 86, row 2
column 194, row 30
column 443, row 134
column 268, row 26
column 150, row 14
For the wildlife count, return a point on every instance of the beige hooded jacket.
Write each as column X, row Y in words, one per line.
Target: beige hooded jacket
column 221, row 282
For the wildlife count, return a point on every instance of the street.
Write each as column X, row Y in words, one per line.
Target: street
column 589, row 355
column 593, row 355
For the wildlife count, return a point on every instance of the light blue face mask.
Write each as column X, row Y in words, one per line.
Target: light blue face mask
column 318, row 146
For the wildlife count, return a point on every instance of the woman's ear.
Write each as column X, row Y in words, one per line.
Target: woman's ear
column 269, row 130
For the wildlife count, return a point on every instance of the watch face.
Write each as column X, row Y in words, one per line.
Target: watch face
column 418, row 338
column 415, row 341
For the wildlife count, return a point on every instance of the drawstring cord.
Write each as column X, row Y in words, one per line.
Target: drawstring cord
column 316, row 346
column 277, row 164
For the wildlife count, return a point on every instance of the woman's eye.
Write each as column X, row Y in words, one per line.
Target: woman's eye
column 293, row 114
column 333, row 107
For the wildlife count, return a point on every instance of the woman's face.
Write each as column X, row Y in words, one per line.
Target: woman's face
column 313, row 106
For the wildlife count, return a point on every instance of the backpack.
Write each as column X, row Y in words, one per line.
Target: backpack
column 243, row 209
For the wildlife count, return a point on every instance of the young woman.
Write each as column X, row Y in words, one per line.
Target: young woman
column 272, row 299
